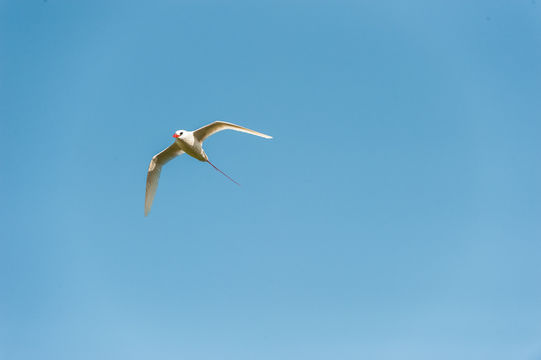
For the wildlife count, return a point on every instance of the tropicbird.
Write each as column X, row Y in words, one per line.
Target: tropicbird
column 191, row 143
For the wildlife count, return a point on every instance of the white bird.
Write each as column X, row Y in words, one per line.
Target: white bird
column 191, row 143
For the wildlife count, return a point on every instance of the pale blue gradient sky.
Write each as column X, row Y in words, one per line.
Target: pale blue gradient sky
column 395, row 215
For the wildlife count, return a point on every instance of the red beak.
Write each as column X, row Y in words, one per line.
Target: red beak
column 175, row 135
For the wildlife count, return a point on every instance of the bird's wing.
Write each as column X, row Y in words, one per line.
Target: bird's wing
column 154, row 170
column 207, row 130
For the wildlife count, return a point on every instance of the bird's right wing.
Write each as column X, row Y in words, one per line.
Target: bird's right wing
column 154, row 169
column 202, row 133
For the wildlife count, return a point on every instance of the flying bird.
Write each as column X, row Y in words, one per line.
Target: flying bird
column 191, row 143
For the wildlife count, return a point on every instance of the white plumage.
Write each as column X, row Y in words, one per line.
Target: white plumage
column 191, row 143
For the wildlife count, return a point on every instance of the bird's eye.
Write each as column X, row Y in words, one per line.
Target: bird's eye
column 180, row 134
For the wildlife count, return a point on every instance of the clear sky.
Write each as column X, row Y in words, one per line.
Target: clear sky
column 396, row 214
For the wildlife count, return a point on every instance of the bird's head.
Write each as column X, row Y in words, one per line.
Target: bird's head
column 179, row 133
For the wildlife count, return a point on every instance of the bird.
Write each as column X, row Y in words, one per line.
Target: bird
column 191, row 143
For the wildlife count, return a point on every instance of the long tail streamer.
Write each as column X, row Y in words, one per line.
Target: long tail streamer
column 227, row 176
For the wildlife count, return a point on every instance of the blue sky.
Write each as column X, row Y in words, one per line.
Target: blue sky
column 395, row 214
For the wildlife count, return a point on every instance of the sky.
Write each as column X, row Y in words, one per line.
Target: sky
column 394, row 215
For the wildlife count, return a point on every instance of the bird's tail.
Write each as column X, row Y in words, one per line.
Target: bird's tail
column 223, row 173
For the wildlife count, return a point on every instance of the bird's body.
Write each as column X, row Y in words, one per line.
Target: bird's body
column 191, row 146
column 191, row 143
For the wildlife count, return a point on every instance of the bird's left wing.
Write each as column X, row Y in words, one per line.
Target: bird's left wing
column 154, row 169
column 202, row 133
